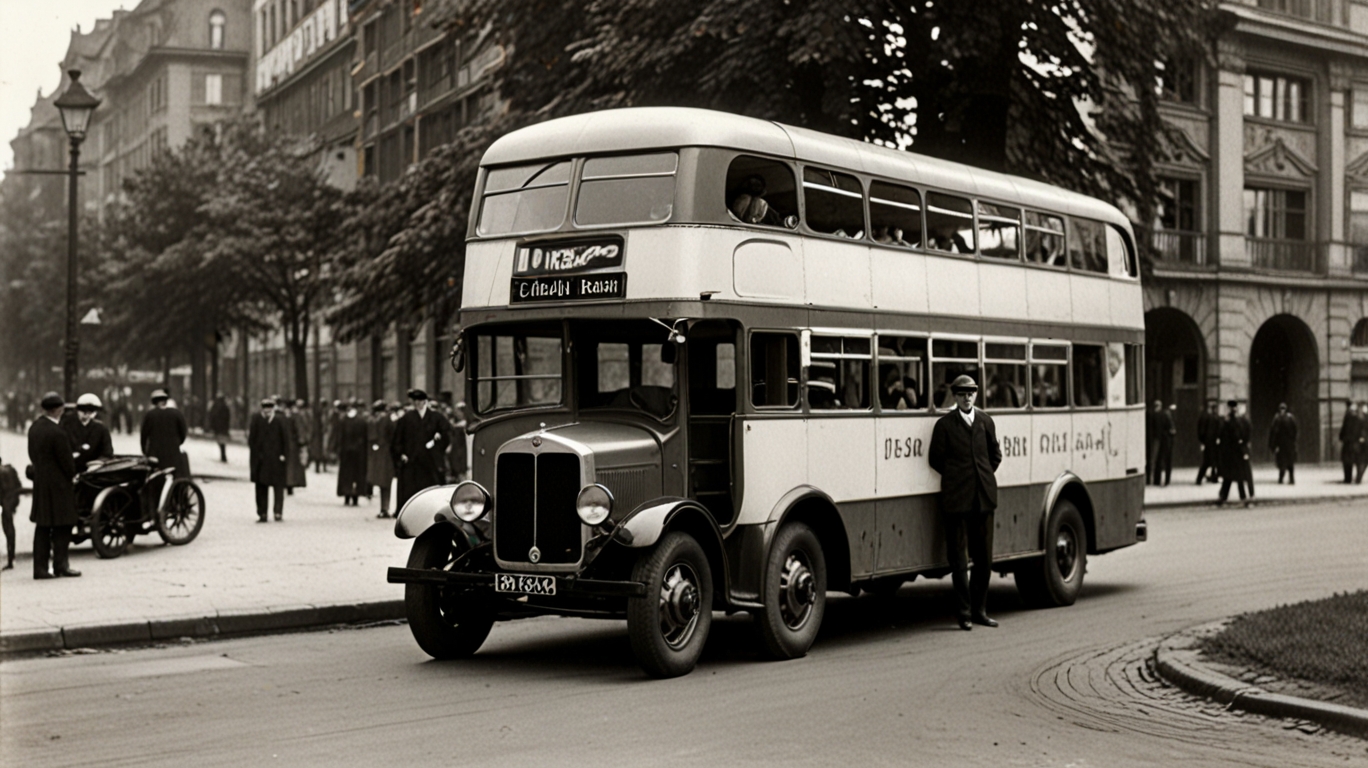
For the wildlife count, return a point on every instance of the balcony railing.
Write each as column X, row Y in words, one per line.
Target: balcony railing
column 1285, row 255
column 1333, row 12
column 1174, row 248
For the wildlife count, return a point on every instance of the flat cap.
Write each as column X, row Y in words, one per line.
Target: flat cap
column 89, row 401
column 963, row 384
column 378, row 406
column 52, row 400
column 417, row 394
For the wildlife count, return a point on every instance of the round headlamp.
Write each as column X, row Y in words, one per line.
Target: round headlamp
column 469, row 501
column 594, row 504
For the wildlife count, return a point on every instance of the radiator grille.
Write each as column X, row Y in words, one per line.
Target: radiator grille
column 535, row 506
column 630, row 487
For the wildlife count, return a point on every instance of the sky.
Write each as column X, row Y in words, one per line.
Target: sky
column 33, row 39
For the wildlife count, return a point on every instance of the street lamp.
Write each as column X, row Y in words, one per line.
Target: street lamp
column 76, row 105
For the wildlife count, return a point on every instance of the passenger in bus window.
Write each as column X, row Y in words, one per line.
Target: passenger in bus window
column 896, row 392
column 950, row 240
column 748, row 204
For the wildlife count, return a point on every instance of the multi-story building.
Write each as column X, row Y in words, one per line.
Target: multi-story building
column 1259, row 291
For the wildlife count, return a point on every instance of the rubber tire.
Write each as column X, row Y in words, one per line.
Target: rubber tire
column 654, row 655
column 163, row 529
column 778, row 640
column 1039, row 580
column 440, row 635
column 99, row 518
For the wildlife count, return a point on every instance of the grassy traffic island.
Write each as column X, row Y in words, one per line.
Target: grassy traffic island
column 1317, row 649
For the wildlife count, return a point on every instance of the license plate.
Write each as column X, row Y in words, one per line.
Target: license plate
column 523, row 584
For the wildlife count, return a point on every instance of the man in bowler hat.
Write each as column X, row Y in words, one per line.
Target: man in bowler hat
column 419, row 448
column 268, row 439
column 54, row 497
column 965, row 451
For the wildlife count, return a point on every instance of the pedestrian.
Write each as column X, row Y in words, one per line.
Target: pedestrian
column 1154, row 426
column 352, row 447
column 9, row 504
column 965, row 451
column 1282, row 442
column 163, row 432
column 1208, row 435
column 1234, row 449
column 267, row 442
column 54, row 496
column 379, row 462
column 419, row 447
column 335, row 430
column 294, row 467
column 1351, row 429
column 1247, row 434
column 304, row 428
column 90, row 440
column 220, row 421
column 457, row 456
column 318, row 431
column 1168, row 429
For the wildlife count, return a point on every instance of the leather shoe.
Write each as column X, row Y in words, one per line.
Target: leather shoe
column 280, row 518
column 43, row 576
column 982, row 618
column 70, row 574
column 965, row 625
column 261, row 519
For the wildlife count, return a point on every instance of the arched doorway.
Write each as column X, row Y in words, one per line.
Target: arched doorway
column 1175, row 372
column 1358, row 362
column 1284, row 367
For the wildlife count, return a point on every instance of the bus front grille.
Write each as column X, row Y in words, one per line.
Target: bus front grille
column 535, row 507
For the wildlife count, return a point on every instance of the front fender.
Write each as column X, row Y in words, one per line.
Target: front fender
column 423, row 509
column 648, row 521
column 1052, row 494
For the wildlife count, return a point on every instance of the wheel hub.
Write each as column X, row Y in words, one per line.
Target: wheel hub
column 680, row 605
column 1066, row 553
column 797, row 591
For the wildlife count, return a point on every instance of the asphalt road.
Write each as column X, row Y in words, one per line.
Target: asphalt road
column 889, row 682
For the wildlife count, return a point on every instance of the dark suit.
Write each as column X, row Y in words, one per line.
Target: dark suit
column 417, row 465
column 1208, row 432
column 1282, row 442
column 90, row 442
column 353, row 444
column 268, row 440
column 163, row 432
column 1350, row 432
column 966, row 458
column 1234, row 447
column 1163, row 466
column 379, row 462
column 54, row 497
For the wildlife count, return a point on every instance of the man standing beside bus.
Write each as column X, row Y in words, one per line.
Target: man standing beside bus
column 965, row 451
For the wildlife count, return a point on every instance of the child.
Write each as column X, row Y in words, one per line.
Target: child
column 9, row 502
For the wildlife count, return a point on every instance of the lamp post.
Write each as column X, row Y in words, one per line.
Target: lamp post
column 76, row 105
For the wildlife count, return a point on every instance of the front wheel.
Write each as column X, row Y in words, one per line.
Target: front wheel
column 182, row 516
column 1056, row 579
column 795, row 593
column 448, row 622
column 669, row 625
column 111, row 524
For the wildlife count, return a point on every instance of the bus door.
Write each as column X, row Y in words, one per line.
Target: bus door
column 711, row 367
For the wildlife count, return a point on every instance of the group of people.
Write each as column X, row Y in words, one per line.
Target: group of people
column 416, row 446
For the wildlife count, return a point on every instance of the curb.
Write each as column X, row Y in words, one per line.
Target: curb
column 221, row 625
column 1177, row 661
column 1236, row 504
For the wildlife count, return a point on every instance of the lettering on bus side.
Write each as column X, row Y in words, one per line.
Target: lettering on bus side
column 1014, row 446
column 902, row 448
column 1054, row 442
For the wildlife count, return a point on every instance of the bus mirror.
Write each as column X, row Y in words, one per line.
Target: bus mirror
column 458, row 354
column 791, row 221
column 668, row 354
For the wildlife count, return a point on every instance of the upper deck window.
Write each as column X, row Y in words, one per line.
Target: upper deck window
column 761, row 191
column 527, row 198
column 1045, row 239
column 998, row 227
column 636, row 189
column 1088, row 245
column 949, row 223
column 895, row 214
column 834, row 203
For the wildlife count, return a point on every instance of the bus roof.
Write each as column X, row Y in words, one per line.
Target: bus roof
column 643, row 128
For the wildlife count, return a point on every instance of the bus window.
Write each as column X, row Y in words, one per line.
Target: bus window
column 1045, row 239
column 637, row 189
column 515, row 369
column 997, row 230
column 949, row 223
column 1049, row 362
column 1119, row 254
column 529, row 198
column 774, row 370
column 712, row 370
column 1087, row 245
column 902, row 373
column 761, row 191
column 1004, row 368
column 834, row 203
column 1135, row 374
column 838, row 378
column 951, row 358
column 895, row 215
column 1089, row 383
column 628, row 367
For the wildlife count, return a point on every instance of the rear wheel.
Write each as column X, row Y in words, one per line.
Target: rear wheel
column 795, row 593
column 668, row 626
column 1057, row 578
column 182, row 516
column 448, row 622
column 112, row 524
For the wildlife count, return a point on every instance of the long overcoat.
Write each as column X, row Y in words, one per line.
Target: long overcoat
column 379, row 462
column 1208, row 429
column 294, row 462
column 163, row 431
column 89, row 441
column 1234, row 448
column 267, row 441
column 352, row 447
column 966, row 458
column 54, row 497
column 423, row 468
column 1282, row 439
column 1350, row 432
column 220, row 417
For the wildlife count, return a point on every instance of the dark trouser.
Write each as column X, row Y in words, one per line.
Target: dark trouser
column 1208, row 463
column 1165, row 468
column 1291, row 472
column 7, row 518
column 1348, row 459
column 1152, row 467
column 261, row 489
column 970, row 536
column 55, row 539
column 1226, row 480
column 385, row 497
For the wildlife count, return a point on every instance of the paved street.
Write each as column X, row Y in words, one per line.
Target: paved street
column 887, row 683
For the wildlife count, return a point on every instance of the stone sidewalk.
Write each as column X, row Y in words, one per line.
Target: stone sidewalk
column 1315, row 482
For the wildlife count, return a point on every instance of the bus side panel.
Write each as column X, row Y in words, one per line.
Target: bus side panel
column 954, row 286
column 1051, row 445
column 1135, row 441
column 900, row 454
column 1016, row 528
column 1096, row 457
column 859, row 519
column 682, row 261
column 1091, row 299
column 837, row 273
column 1117, row 507
column 1127, row 305
column 1047, row 295
column 775, row 462
column 910, row 536
column 482, row 270
column 768, row 268
column 899, row 280
column 1002, row 288
column 840, row 456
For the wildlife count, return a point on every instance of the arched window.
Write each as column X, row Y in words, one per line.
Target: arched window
column 217, row 20
column 1359, row 338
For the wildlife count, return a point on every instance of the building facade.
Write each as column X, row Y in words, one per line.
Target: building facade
column 1259, row 291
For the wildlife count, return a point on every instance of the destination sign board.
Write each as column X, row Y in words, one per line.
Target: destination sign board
column 568, row 258
column 601, row 285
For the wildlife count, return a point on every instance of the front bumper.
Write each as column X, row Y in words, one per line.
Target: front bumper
column 570, row 585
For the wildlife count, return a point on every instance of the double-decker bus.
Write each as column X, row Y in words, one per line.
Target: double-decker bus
column 704, row 354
